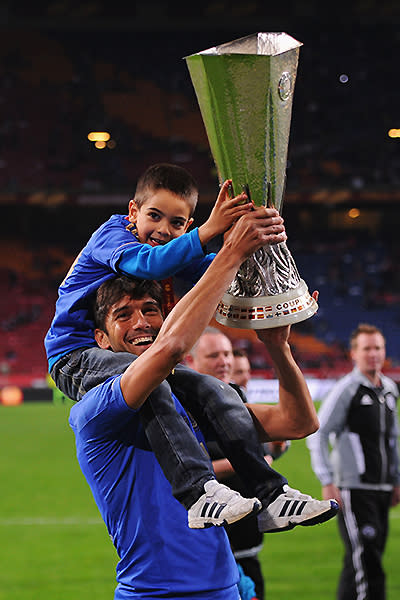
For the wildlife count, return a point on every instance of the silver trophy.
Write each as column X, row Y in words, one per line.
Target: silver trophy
column 245, row 91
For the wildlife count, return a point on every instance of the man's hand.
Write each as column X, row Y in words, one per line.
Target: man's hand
column 278, row 336
column 274, row 336
column 395, row 496
column 256, row 229
column 331, row 491
column 268, row 458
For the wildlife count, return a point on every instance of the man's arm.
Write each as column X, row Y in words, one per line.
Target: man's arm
column 223, row 468
column 395, row 496
column 394, row 451
column 294, row 416
column 332, row 416
column 194, row 311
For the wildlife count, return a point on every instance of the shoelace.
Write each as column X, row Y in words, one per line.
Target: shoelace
column 296, row 494
column 217, row 493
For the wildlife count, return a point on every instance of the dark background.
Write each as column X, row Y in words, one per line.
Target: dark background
column 70, row 68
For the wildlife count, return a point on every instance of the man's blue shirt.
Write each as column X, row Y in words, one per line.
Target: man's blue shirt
column 160, row 557
column 113, row 250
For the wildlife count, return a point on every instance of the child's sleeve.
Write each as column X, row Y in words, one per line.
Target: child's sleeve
column 158, row 262
column 196, row 269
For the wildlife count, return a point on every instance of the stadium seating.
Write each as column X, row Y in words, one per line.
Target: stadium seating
column 56, row 85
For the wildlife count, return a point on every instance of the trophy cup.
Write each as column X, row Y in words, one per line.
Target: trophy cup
column 245, row 91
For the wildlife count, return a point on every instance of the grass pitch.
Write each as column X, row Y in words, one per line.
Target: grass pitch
column 54, row 545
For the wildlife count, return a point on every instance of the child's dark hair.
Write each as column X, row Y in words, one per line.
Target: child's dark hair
column 112, row 290
column 168, row 177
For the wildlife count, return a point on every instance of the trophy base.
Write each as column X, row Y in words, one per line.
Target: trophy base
column 263, row 312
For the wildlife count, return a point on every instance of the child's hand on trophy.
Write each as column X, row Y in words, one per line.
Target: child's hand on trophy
column 225, row 213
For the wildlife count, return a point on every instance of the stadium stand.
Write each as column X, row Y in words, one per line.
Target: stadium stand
column 65, row 72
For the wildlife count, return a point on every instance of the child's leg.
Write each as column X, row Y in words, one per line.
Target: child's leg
column 232, row 425
column 81, row 370
column 187, row 465
column 184, row 463
column 222, row 414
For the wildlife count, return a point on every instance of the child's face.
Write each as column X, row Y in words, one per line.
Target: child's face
column 161, row 218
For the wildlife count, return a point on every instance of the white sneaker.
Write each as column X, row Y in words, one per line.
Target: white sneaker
column 219, row 506
column 293, row 508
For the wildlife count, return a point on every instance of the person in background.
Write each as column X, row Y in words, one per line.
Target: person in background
column 241, row 375
column 241, row 369
column 213, row 354
column 355, row 456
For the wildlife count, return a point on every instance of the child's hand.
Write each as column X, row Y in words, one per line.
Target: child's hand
column 225, row 212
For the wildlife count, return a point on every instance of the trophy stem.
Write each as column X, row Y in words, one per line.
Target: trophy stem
column 269, row 271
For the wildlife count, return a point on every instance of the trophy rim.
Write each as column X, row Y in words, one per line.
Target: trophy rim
column 216, row 50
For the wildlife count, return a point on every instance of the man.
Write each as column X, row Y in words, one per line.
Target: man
column 214, row 355
column 359, row 417
column 241, row 370
column 160, row 556
column 241, row 375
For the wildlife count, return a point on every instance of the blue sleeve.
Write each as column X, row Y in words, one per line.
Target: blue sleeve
column 159, row 262
column 101, row 411
column 196, row 269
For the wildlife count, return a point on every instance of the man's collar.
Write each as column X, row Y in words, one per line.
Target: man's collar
column 364, row 379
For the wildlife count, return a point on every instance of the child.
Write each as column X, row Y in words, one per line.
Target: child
column 152, row 242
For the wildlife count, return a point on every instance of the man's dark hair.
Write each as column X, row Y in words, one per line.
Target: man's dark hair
column 239, row 352
column 167, row 177
column 112, row 290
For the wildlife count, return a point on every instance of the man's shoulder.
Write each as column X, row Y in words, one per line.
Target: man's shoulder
column 344, row 388
column 390, row 385
column 352, row 380
column 96, row 403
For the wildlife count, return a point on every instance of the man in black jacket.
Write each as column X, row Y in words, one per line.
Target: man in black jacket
column 359, row 417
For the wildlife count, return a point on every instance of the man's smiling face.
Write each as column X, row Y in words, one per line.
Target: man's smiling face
column 131, row 325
